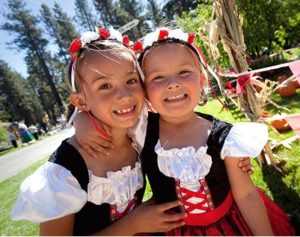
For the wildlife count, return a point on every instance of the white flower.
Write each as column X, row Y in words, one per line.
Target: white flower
column 150, row 38
column 178, row 34
column 115, row 34
column 88, row 37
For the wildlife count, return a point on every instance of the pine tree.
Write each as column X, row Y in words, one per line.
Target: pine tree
column 174, row 8
column 29, row 37
column 51, row 28
column 107, row 12
column 66, row 29
column 84, row 16
column 18, row 102
column 39, row 87
column 119, row 13
column 154, row 13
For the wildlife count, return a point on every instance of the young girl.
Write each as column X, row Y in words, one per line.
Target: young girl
column 74, row 194
column 192, row 157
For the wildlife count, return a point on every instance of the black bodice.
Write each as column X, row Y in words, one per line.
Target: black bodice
column 91, row 218
column 163, row 187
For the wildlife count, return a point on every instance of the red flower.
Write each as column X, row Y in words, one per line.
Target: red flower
column 137, row 47
column 191, row 38
column 104, row 34
column 75, row 46
column 163, row 34
column 126, row 40
column 228, row 84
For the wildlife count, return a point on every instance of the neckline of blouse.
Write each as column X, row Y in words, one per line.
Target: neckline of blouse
column 210, row 118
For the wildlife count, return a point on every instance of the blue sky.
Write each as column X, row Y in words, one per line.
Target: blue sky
column 15, row 58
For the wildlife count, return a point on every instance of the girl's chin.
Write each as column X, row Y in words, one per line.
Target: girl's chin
column 126, row 121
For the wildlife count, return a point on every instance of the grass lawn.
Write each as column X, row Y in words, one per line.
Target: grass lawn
column 9, row 190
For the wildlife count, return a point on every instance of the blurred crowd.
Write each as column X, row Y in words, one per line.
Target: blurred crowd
column 20, row 133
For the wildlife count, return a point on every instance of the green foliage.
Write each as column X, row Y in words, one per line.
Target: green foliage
column 17, row 100
column 174, row 8
column 273, row 24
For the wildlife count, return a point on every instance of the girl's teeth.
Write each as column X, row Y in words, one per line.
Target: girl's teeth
column 175, row 97
column 122, row 111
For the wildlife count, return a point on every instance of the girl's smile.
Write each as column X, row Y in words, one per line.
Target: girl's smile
column 177, row 98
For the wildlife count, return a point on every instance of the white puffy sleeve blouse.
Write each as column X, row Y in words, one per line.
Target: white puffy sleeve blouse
column 52, row 192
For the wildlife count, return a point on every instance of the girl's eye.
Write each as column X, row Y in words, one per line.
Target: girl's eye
column 132, row 81
column 105, row 86
column 157, row 78
column 184, row 73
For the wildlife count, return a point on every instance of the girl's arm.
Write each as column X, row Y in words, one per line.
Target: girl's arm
column 58, row 227
column 146, row 218
column 247, row 198
column 89, row 138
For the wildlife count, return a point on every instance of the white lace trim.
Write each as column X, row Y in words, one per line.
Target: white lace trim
column 185, row 164
column 118, row 188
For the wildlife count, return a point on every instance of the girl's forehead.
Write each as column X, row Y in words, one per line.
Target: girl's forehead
column 166, row 49
column 171, row 51
column 109, row 61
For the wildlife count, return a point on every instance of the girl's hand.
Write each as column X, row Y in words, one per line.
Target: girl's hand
column 89, row 138
column 245, row 165
column 150, row 217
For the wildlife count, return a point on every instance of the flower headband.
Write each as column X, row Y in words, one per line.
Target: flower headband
column 164, row 34
column 99, row 34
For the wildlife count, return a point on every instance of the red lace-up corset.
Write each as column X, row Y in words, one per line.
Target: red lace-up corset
column 195, row 202
column 198, row 205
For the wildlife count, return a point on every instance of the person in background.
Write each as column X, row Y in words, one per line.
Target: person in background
column 24, row 133
column 12, row 136
column 34, row 131
column 45, row 122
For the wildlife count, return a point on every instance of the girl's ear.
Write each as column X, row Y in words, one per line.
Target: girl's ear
column 78, row 101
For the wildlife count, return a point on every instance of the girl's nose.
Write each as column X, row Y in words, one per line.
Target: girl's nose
column 173, row 83
column 124, row 94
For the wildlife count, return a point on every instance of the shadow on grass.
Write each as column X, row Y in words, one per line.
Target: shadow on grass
column 284, row 196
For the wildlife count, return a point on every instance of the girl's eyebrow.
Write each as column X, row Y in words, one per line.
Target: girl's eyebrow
column 158, row 70
column 102, row 78
column 132, row 72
